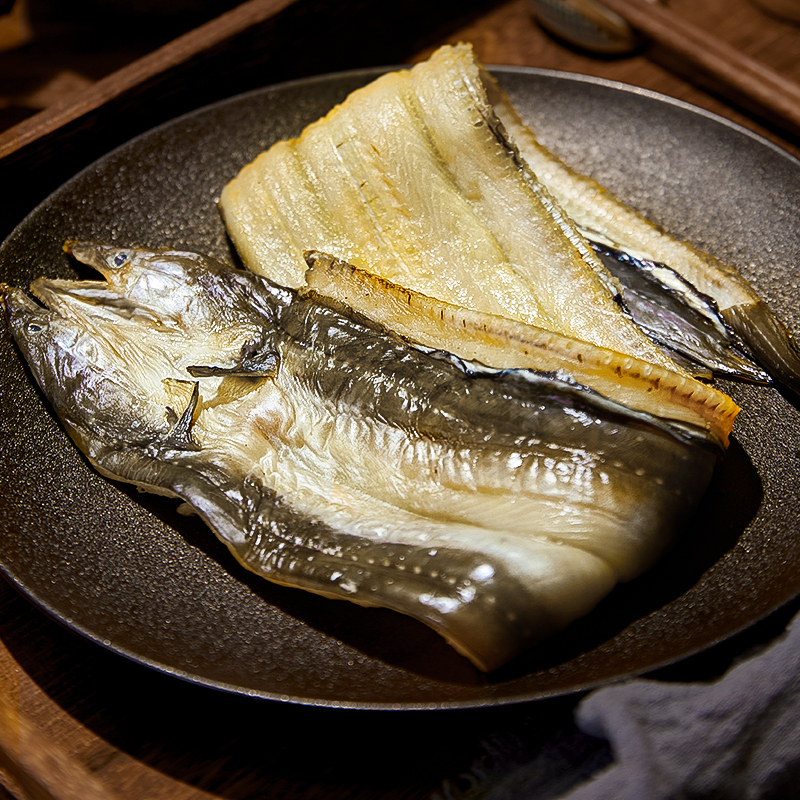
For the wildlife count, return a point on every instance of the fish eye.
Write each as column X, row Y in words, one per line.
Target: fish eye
column 120, row 258
column 34, row 327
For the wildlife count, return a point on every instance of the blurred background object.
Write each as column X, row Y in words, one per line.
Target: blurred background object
column 13, row 25
column 785, row 9
column 49, row 49
column 54, row 48
column 587, row 24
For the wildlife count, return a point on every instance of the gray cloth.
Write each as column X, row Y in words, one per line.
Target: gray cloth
column 736, row 738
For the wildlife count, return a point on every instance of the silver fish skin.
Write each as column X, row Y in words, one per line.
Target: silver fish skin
column 330, row 455
column 680, row 319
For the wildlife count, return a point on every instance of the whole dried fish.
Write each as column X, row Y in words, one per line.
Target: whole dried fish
column 329, row 454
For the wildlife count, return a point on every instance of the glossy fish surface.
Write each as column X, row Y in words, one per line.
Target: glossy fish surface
column 502, row 343
column 685, row 322
column 495, row 506
column 431, row 179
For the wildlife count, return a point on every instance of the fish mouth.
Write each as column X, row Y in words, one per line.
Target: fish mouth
column 22, row 310
column 105, row 258
column 80, row 300
column 86, row 252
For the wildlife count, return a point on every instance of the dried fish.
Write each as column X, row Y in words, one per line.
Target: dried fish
column 502, row 343
column 413, row 178
column 429, row 178
column 329, row 454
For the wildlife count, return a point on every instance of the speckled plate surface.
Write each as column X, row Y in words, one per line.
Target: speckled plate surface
column 127, row 571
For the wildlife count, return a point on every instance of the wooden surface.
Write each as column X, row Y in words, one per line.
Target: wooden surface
column 79, row 722
column 759, row 87
column 71, row 106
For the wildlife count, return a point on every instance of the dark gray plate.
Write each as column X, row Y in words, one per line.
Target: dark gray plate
column 128, row 572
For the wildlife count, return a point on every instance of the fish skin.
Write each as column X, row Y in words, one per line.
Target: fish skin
column 679, row 318
column 495, row 506
column 502, row 343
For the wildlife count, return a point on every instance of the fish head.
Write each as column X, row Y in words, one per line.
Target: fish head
column 105, row 350
column 32, row 326
column 54, row 345
column 81, row 373
column 183, row 287
column 159, row 283
column 227, row 317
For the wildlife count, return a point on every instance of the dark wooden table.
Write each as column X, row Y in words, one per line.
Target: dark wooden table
column 77, row 721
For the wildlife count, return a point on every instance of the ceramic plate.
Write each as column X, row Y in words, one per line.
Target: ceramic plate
column 125, row 570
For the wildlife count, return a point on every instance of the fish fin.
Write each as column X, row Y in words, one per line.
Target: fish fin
column 770, row 341
column 680, row 319
column 269, row 370
column 180, row 437
column 256, row 361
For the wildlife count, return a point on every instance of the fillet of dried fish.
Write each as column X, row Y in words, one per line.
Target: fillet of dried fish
column 328, row 454
column 502, row 343
column 413, row 177
column 430, row 177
